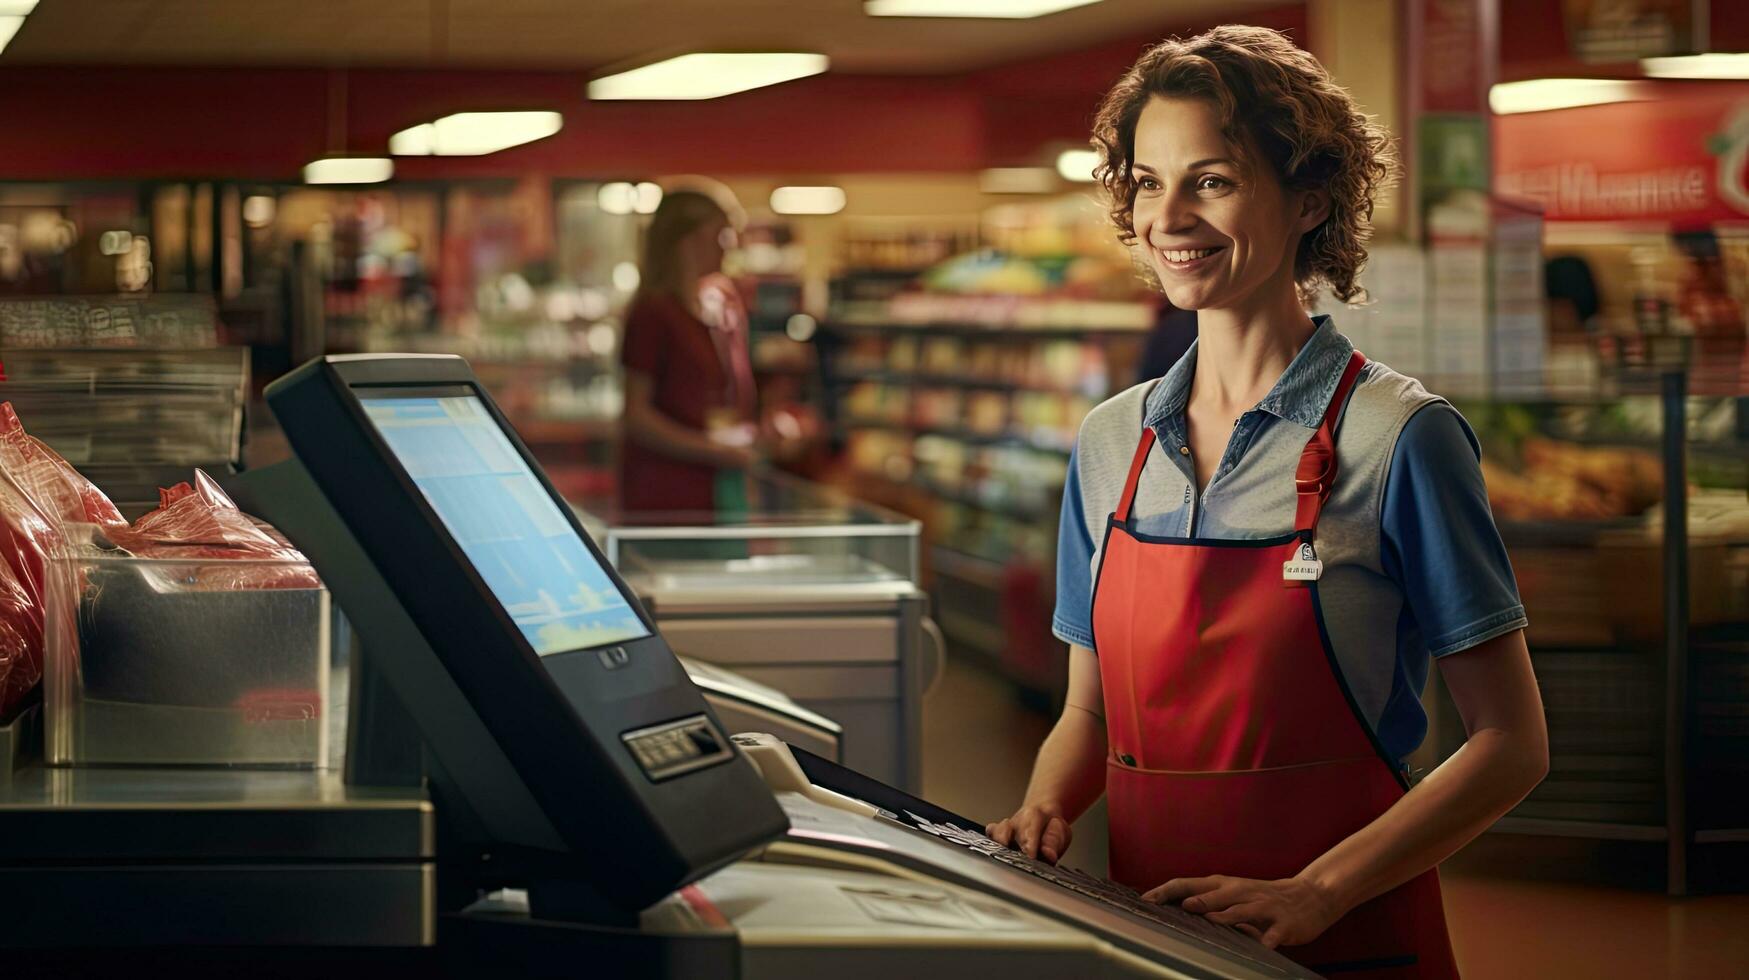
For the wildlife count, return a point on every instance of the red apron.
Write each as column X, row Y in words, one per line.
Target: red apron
column 1236, row 748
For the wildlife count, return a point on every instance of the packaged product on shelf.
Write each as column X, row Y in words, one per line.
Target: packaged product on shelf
column 879, row 452
column 902, row 355
column 983, row 361
column 936, row 408
column 986, row 412
column 941, row 357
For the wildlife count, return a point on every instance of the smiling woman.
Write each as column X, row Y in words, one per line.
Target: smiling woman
column 1263, row 552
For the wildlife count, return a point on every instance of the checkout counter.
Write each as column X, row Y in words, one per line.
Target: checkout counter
column 807, row 592
column 533, row 785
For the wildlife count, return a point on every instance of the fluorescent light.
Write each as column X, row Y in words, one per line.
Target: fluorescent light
column 258, row 210
column 649, row 197
column 1012, row 9
column 416, row 141
column 1077, row 165
column 17, row 8
column 1018, row 180
column 618, row 197
column 115, row 242
column 349, row 170
column 706, row 76
column 8, row 27
column 1539, row 94
column 1713, row 65
column 807, row 200
column 472, row 134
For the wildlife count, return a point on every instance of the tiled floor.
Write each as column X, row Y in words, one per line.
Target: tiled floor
column 1519, row 908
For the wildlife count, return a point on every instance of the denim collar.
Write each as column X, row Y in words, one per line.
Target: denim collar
column 1301, row 394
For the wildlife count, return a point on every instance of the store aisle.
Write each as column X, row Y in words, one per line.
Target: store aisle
column 1530, row 908
column 1520, row 908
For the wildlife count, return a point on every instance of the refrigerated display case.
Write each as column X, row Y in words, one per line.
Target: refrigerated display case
column 1638, row 600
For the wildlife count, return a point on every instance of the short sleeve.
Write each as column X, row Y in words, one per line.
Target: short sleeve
column 646, row 342
column 1073, row 620
column 1440, row 543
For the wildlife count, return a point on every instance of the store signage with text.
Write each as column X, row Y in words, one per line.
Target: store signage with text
column 1682, row 160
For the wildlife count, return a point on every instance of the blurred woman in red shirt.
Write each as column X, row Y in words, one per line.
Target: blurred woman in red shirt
column 690, row 403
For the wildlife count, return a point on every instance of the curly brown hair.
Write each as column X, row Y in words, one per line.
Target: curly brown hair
column 1277, row 103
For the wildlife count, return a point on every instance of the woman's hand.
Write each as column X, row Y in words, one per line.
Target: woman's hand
column 1286, row 912
column 1037, row 830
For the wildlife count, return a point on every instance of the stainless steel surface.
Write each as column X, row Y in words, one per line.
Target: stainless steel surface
column 745, row 705
column 865, row 665
column 122, row 857
column 193, row 815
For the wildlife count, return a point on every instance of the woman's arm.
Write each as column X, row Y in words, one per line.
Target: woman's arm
column 1069, row 774
column 647, row 426
column 1506, row 755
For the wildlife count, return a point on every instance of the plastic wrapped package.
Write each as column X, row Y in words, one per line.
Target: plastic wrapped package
column 23, row 549
column 39, row 494
column 199, row 521
column 58, row 490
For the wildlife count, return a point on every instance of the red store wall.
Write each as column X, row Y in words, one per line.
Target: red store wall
column 72, row 123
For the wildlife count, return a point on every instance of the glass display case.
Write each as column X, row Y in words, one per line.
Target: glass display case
column 793, row 535
column 1638, row 599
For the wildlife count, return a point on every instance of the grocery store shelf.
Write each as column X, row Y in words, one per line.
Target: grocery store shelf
column 950, row 381
column 1738, row 836
column 1578, row 828
column 965, row 499
column 1004, row 331
column 960, row 435
column 551, row 431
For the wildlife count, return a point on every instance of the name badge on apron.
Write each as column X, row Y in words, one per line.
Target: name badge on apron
column 1304, row 566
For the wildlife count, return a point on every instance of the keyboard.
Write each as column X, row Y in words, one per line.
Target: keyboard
column 1102, row 890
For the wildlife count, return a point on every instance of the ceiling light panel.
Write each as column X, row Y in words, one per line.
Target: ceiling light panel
column 9, row 26
column 808, row 200
column 349, row 170
column 472, row 134
column 707, row 75
column 1077, row 165
column 1005, row 9
column 1542, row 94
column 1698, row 66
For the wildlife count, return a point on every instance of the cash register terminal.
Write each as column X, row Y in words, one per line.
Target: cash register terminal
column 585, row 785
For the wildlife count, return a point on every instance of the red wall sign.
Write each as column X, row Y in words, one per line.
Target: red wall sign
column 1682, row 157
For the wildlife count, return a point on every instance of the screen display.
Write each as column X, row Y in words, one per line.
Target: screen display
column 512, row 530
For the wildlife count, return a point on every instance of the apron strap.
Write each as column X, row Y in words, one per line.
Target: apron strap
column 1129, row 487
column 1316, row 474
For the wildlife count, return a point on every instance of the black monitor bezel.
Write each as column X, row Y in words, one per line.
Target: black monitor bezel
column 558, row 720
column 361, row 391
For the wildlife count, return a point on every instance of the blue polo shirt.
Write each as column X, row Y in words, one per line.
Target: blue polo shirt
column 1418, row 560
